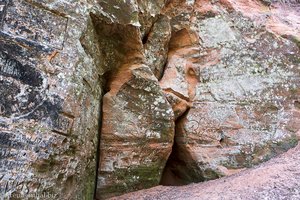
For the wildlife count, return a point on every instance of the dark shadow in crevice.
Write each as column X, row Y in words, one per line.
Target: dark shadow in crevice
column 163, row 69
column 145, row 38
column 171, row 176
column 117, row 44
column 104, row 81
column 100, row 120
column 149, row 32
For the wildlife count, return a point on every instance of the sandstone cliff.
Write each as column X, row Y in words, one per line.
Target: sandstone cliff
column 104, row 97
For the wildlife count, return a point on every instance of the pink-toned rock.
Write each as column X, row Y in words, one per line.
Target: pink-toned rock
column 138, row 122
column 226, row 72
column 137, row 133
column 241, row 95
column 281, row 18
column 179, row 105
column 180, row 76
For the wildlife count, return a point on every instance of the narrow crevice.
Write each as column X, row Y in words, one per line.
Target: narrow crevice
column 170, row 176
column 106, row 83
column 108, row 77
column 100, row 120
column 163, row 69
column 179, row 95
column 147, row 34
column 99, row 55
column 145, row 38
column 118, row 47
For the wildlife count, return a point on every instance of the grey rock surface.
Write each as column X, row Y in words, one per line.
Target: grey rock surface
column 103, row 97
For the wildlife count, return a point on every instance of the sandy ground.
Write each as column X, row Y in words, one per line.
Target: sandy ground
column 278, row 178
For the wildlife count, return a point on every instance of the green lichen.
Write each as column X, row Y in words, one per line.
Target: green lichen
column 296, row 40
column 288, row 143
column 269, row 150
column 89, row 187
column 71, row 151
column 253, row 155
column 210, row 174
column 45, row 165
column 134, row 18
column 133, row 178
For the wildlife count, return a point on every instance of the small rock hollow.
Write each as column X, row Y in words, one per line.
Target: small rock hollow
column 170, row 176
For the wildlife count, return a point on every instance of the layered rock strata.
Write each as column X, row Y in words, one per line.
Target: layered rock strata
column 100, row 98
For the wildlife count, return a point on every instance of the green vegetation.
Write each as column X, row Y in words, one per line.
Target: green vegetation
column 135, row 178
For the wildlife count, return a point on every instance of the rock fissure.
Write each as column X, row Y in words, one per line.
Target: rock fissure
column 101, row 98
column 170, row 175
column 209, row 139
column 98, row 153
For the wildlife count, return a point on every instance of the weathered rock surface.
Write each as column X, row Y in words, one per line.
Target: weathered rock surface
column 241, row 83
column 50, row 101
column 138, row 122
column 275, row 179
column 156, row 45
column 137, row 134
column 281, row 18
column 93, row 92
column 56, row 58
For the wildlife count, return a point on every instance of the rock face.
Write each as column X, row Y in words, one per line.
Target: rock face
column 50, row 101
column 58, row 58
column 232, row 85
column 100, row 98
column 138, row 122
column 137, row 134
column 242, row 86
column 275, row 179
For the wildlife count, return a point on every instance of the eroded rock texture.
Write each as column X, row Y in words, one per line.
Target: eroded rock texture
column 137, row 134
column 138, row 122
column 230, row 78
column 275, row 179
column 106, row 97
column 241, row 83
column 50, row 100
column 58, row 58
